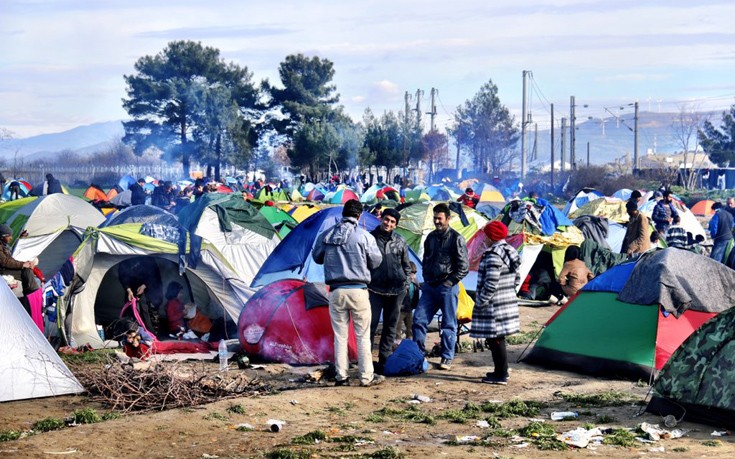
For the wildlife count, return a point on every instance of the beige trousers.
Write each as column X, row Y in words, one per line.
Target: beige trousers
column 346, row 303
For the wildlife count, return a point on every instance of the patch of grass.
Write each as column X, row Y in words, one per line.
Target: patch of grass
column 712, row 443
column 608, row 398
column 110, row 415
column 588, row 426
column 411, row 414
column 550, row 444
column 345, row 448
column 543, row 436
column 48, row 424
column 512, row 408
column 236, row 409
column 620, row 437
column 286, row 453
column 606, row 419
column 493, row 422
column 214, row 415
column 351, row 439
column 9, row 435
column 525, row 336
column 335, row 409
column 375, row 418
column 244, row 429
column 96, row 356
column 85, row 416
column 680, row 449
column 384, row 453
column 468, row 412
column 503, row 433
column 641, row 383
column 309, row 438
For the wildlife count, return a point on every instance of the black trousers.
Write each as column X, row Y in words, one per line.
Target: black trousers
column 500, row 356
column 390, row 307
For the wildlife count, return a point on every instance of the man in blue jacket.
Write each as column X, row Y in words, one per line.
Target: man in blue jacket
column 664, row 213
column 720, row 228
column 348, row 253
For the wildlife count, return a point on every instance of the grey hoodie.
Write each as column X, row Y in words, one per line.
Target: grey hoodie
column 348, row 253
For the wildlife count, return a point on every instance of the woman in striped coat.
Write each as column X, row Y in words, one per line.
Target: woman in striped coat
column 495, row 314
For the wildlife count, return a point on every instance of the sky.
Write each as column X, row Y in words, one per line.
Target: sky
column 62, row 62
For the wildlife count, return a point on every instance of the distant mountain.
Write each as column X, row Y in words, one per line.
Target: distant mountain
column 83, row 140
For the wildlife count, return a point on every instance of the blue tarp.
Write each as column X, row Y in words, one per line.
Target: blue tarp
column 611, row 280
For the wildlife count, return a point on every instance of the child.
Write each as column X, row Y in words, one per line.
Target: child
column 175, row 310
column 134, row 346
column 410, row 301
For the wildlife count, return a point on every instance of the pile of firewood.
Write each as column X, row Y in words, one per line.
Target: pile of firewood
column 165, row 385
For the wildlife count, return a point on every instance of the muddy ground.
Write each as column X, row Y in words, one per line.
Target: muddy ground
column 321, row 420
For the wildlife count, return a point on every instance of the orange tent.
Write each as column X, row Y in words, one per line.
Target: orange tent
column 703, row 208
column 95, row 194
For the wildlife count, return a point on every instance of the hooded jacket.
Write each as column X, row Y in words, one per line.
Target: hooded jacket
column 348, row 253
column 391, row 277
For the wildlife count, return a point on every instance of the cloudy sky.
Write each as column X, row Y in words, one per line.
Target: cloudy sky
column 62, row 61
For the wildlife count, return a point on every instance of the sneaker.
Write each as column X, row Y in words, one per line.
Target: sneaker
column 377, row 379
column 343, row 382
column 553, row 299
column 495, row 380
column 445, row 364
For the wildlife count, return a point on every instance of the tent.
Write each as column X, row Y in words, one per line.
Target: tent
column 303, row 211
column 25, row 189
column 316, row 194
column 442, row 193
column 489, row 194
column 143, row 213
column 417, row 194
column 601, row 331
column 340, row 196
column 370, row 196
column 703, row 208
column 30, row 368
column 582, row 197
column 235, row 227
column 281, row 220
column 288, row 321
column 623, row 194
column 110, row 257
column 8, row 208
column 54, row 225
column 696, row 384
column 612, row 209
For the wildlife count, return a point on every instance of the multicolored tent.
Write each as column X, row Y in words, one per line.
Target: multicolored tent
column 597, row 332
column 417, row 194
column 340, row 196
column 696, row 384
column 143, row 213
column 489, row 194
column 303, row 211
column 315, row 194
column 582, row 197
column 442, row 193
column 25, row 189
column 288, row 321
column 703, row 208
column 371, row 195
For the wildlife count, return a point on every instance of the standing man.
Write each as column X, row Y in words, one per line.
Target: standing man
column 348, row 254
column 731, row 206
column 52, row 185
column 638, row 234
column 720, row 228
column 495, row 314
column 445, row 263
column 664, row 213
column 388, row 283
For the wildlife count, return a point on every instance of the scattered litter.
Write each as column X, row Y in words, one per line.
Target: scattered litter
column 71, row 451
column 670, row 421
column 654, row 432
column 521, row 445
column 659, row 449
column 466, row 438
column 420, row 398
column 579, row 437
column 644, row 440
column 257, row 367
column 720, row 433
column 414, row 402
column 483, row 424
column 388, row 432
column 294, row 402
column 275, row 425
column 678, row 433
column 564, row 415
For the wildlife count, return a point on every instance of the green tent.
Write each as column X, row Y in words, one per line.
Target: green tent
column 280, row 219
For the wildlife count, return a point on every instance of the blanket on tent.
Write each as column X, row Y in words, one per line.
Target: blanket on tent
column 679, row 280
column 594, row 228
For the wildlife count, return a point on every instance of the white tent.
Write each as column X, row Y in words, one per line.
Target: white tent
column 30, row 368
column 96, row 294
column 55, row 225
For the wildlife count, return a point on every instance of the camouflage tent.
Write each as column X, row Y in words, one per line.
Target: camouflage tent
column 697, row 382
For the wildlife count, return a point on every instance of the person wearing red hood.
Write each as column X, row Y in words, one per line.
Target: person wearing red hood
column 469, row 198
column 495, row 314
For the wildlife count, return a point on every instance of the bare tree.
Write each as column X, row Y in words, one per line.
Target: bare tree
column 684, row 129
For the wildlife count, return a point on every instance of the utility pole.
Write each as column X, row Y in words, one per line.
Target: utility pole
column 534, row 152
column 572, row 117
column 406, row 130
column 563, row 143
column 552, row 148
column 419, row 93
column 523, row 127
column 433, row 108
column 459, row 134
column 635, row 138
column 588, row 154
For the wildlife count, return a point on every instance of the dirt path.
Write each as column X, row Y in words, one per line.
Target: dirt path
column 360, row 422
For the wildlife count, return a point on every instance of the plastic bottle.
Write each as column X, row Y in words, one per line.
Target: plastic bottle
column 562, row 415
column 222, row 352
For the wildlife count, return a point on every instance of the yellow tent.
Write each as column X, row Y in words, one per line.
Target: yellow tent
column 302, row 212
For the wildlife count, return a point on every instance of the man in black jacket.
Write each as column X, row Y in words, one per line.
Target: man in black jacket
column 445, row 263
column 388, row 283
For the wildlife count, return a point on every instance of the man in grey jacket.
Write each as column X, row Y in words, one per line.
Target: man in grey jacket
column 348, row 253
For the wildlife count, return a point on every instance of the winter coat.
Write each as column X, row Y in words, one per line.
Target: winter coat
column 662, row 211
column 573, row 276
column 721, row 225
column 496, row 307
column 445, row 257
column 391, row 276
column 348, row 254
column 7, row 262
column 637, row 236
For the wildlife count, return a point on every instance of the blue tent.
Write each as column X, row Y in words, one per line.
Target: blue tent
column 291, row 259
column 551, row 218
column 126, row 181
column 142, row 214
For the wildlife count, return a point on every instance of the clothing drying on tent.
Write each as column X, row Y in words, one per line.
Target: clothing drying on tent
column 696, row 384
column 30, row 368
column 234, row 227
column 96, row 293
column 288, row 321
column 599, row 332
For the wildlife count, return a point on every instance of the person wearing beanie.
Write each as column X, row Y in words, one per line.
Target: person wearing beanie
column 720, row 229
column 388, row 284
column 349, row 254
column 445, row 263
column 637, row 238
column 495, row 314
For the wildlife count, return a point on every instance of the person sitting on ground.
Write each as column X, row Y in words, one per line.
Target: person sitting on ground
column 175, row 310
column 135, row 347
column 676, row 235
column 574, row 274
column 469, row 198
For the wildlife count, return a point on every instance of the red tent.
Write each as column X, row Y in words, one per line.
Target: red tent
column 288, row 321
